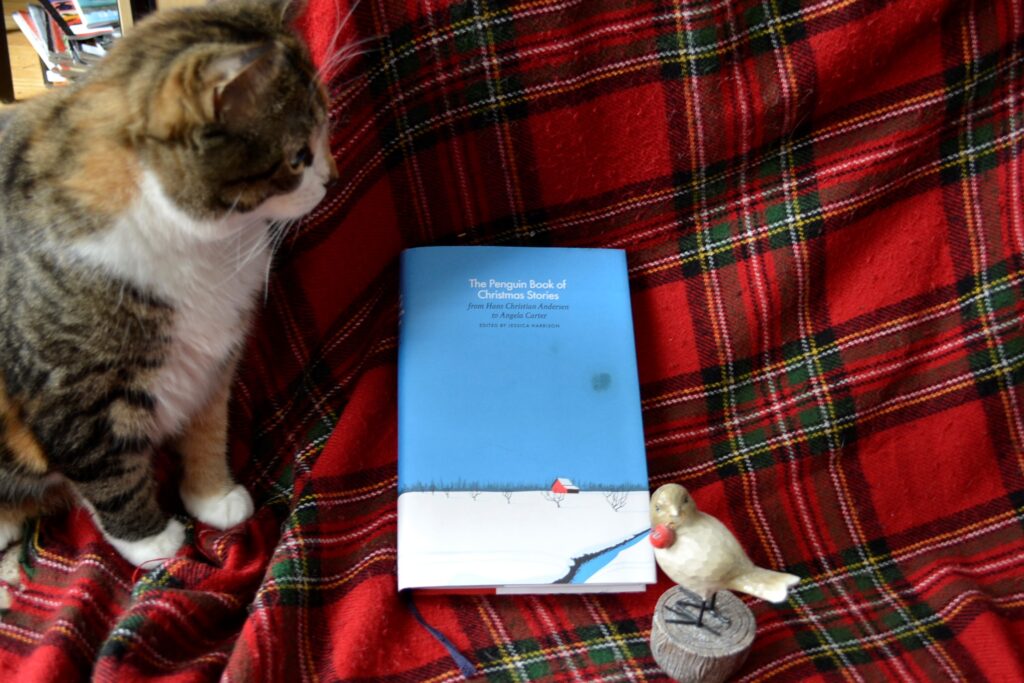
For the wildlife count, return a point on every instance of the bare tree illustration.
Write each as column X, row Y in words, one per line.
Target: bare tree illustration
column 508, row 496
column 474, row 494
column 617, row 499
column 555, row 498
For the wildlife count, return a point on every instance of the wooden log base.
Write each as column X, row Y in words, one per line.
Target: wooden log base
column 708, row 653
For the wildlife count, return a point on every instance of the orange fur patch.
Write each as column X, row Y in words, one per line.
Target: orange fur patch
column 19, row 439
column 203, row 447
column 174, row 110
column 105, row 173
column 106, row 180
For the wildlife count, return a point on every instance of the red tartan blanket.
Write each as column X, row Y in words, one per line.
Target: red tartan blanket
column 822, row 203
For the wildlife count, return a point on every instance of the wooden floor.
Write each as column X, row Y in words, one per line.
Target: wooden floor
column 28, row 79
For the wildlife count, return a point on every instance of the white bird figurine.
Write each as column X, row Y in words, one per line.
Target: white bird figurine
column 699, row 553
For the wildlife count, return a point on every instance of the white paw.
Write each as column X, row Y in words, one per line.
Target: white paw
column 161, row 546
column 10, row 574
column 10, row 532
column 221, row 512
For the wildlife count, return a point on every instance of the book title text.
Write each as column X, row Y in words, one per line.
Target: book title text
column 518, row 290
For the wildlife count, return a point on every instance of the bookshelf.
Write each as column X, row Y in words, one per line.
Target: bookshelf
column 24, row 62
column 6, row 78
column 62, row 37
column 20, row 74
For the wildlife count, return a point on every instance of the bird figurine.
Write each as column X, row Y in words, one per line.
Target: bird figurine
column 699, row 553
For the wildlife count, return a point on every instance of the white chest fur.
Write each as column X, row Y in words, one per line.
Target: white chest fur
column 208, row 271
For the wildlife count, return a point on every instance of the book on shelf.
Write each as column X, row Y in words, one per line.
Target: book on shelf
column 64, row 54
column 69, row 17
column 36, row 38
column 521, row 461
column 96, row 13
column 34, row 25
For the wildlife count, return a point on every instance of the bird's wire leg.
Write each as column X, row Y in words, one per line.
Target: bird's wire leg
column 714, row 610
column 685, row 601
column 680, row 608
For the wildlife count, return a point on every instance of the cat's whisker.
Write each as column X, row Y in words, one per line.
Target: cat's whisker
column 233, row 209
column 259, row 245
column 341, row 25
column 277, row 233
column 282, row 229
column 352, row 47
column 267, row 269
column 345, row 54
column 328, row 71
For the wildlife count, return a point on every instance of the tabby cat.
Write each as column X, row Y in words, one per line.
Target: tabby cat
column 137, row 215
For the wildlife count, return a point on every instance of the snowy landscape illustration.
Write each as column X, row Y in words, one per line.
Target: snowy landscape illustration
column 574, row 541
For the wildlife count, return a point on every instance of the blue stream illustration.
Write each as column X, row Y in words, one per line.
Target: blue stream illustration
column 585, row 566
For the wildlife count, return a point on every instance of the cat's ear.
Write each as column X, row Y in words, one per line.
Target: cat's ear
column 213, row 85
column 237, row 82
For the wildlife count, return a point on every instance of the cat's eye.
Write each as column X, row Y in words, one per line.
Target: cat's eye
column 302, row 158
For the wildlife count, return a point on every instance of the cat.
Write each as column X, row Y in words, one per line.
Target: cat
column 137, row 214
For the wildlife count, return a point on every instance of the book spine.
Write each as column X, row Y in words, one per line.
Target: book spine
column 61, row 22
column 56, row 36
column 25, row 22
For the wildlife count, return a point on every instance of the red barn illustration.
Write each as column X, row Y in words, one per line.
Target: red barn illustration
column 564, row 485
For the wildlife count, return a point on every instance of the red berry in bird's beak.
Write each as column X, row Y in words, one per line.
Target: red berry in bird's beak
column 662, row 536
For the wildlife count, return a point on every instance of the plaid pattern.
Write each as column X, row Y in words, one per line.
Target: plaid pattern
column 822, row 203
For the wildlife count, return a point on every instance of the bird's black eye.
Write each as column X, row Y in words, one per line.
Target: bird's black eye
column 302, row 158
column 657, row 508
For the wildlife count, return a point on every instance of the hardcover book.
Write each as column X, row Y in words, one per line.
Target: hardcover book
column 521, row 462
column 97, row 13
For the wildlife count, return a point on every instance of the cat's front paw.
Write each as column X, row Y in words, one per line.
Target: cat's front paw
column 10, row 532
column 223, row 511
column 161, row 546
